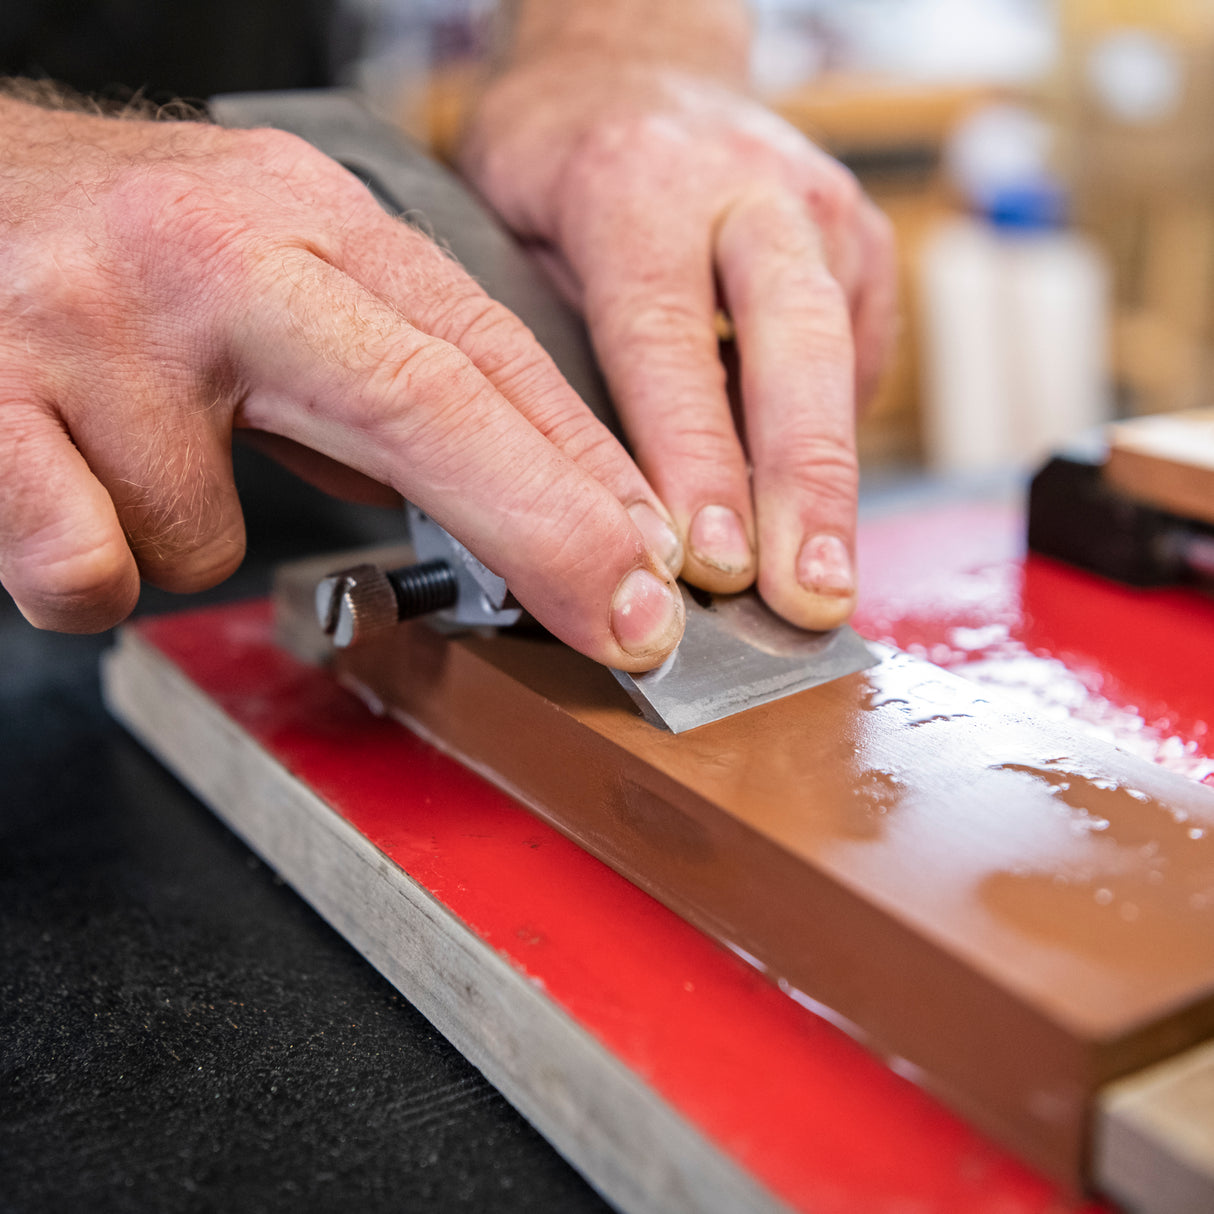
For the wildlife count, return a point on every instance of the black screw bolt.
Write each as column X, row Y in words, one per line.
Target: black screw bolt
column 421, row 589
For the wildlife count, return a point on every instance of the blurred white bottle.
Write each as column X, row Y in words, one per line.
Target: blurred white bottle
column 1014, row 307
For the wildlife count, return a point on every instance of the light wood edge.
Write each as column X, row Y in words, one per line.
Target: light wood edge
column 1167, row 461
column 628, row 1143
column 1154, row 1136
column 1180, row 489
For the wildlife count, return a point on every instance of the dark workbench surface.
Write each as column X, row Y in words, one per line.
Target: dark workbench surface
column 178, row 1030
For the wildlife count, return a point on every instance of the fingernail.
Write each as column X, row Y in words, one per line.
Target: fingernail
column 661, row 537
column 824, row 566
column 718, row 538
column 646, row 614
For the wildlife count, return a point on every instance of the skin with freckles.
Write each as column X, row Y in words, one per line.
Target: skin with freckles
column 657, row 192
column 164, row 284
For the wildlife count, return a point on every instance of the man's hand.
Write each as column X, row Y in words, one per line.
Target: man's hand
column 164, row 283
column 627, row 150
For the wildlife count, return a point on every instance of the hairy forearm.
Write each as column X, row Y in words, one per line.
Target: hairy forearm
column 707, row 37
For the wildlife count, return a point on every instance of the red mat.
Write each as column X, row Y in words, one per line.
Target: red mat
column 780, row 1089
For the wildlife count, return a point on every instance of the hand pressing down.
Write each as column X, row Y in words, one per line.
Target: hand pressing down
column 164, row 283
column 658, row 195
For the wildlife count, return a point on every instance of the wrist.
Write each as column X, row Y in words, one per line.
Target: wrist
column 707, row 38
column 540, row 105
column 57, row 144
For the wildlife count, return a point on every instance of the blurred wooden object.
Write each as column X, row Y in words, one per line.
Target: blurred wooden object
column 1167, row 461
column 449, row 97
column 889, row 427
column 859, row 114
column 1154, row 1140
column 1137, row 116
column 1139, row 94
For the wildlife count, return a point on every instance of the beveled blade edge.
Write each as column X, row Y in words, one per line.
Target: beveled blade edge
column 735, row 655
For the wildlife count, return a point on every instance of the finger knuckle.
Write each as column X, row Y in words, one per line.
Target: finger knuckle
column 504, row 350
column 823, row 292
column 178, row 565
column 768, row 231
column 86, row 590
column 615, row 139
column 419, row 397
column 530, row 382
column 167, row 230
column 404, row 376
column 811, row 303
column 488, row 333
column 825, row 463
column 835, row 197
column 622, row 148
column 142, row 198
column 569, row 533
column 177, row 510
column 582, row 437
column 704, row 448
column 666, row 328
column 150, row 237
column 53, row 287
column 793, row 245
column 578, row 433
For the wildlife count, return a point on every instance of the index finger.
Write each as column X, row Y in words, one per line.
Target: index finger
column 797, row 379
column 409, row 271
column 331, row 366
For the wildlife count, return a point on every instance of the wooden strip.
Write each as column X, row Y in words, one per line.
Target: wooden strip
column 1155, row 1136
column 983, row 894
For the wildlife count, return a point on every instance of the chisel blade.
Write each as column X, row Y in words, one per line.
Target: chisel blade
column 736, row 653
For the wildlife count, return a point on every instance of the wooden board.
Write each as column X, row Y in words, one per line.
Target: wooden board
column 1155, row 1139
column 494, row 1012
column 1167, row 461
